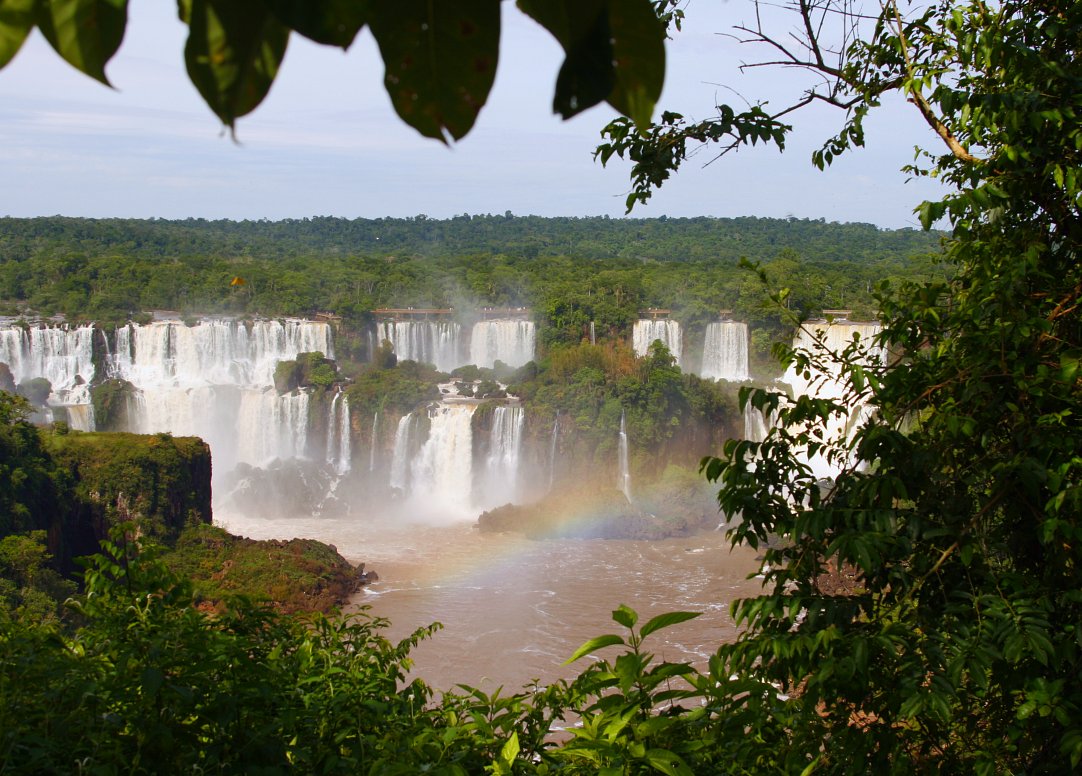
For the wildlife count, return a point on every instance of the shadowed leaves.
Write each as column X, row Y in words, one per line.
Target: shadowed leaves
column 615, row 53
column 440, row 60
column 84, row 32
column 233, row 52
column 16, row 20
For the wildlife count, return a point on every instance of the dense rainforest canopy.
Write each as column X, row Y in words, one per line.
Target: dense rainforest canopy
column 569, row 270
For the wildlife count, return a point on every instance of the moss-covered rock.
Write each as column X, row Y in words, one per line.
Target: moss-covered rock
column 294, row 575
column 110, row 400
column 160, row 482
column 308, row 370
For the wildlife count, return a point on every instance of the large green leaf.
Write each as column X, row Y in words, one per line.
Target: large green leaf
column 440, row 58
column 233, row 52
column 334, row 22
column 581, row 26
column 614, row 50
column 16, row 20
column 594, row 644
column 84, row 32
column 665, row 620
column 638, row 49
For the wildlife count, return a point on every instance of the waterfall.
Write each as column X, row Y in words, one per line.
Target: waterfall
column 593, row 334
column 429, row 342
column 500, row 484
column 401, row 455
column 755, row 425
column 441, row 473
column 825, row 381
column 344, row 448
column 332, row 427
column 664, row 329
column 81, row 417
column 624, row 481
column 213, row 352
column 725, row 351
column 60, row 354
column 511, row 342
column 552, row 450
column 375, row 441
column 269, row 426
column 215, row 380
column 338, row 429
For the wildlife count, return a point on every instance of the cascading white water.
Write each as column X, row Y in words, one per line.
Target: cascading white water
column 213, row 352
column 668, row 331
column 500, row 484
column 215, row 380
column 81, row 417
column 332, row 426
column 441, row 473
column 725, row 351
column 825, row 381
column 624, row 480
column 401, row 455
column 755, row 425
column 345, row 451
column 511, row 342
column 60, row 354
column 338, row 442
column 429, row 342
column 374, row 444
column 593, row 334
column 552, row 450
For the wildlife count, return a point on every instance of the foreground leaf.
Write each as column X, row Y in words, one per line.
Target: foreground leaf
column 594, row 644
column 615, row 52
column 16, row 20
column 665, row 620
column 84, row 32
column 333, row 22
column 233, row 52
column 440, row 60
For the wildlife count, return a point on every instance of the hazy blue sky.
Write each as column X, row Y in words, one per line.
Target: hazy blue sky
column 326, row 141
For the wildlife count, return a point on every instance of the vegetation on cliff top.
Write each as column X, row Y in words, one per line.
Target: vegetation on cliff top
column 298, row 575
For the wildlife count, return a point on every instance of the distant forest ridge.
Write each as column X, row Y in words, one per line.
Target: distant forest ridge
column 571, row 271
column 597, row 237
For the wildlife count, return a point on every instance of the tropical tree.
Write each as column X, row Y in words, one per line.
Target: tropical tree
column 923, row 608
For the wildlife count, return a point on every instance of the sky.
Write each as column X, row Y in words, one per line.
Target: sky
column 326, row 141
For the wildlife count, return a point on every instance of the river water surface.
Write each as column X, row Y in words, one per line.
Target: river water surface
column 514, row 609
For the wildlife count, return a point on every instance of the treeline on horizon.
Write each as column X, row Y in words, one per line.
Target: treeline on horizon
column 569, row 270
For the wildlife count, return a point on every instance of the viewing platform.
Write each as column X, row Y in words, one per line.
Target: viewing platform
column 413, row 313
column 654, row 313
column 504, row 313
column 838, row 316
column 328, row 318
column 725, row 315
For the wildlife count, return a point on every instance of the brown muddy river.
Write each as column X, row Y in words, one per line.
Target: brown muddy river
column 514, row 609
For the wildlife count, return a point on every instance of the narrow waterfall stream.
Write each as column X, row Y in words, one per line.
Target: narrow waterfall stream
column 374, row 446
column 624, row 479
